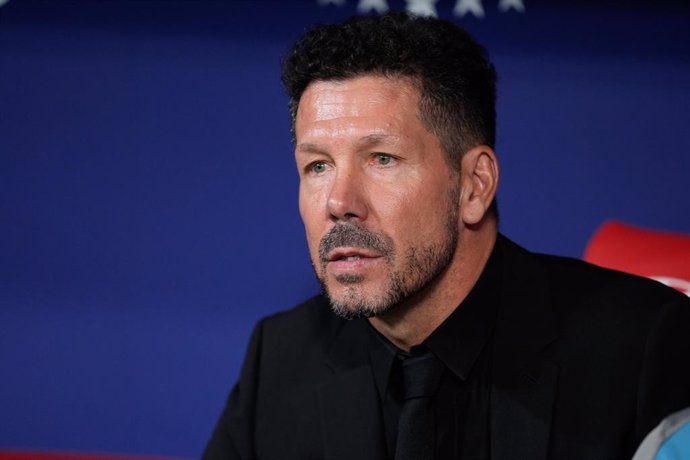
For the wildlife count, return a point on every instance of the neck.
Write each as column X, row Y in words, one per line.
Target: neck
column 411, row 322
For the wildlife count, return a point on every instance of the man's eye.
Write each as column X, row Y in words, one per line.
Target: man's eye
column 318, row 167
column 383, row 159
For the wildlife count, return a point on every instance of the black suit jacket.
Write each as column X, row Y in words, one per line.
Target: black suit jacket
column 586, row 361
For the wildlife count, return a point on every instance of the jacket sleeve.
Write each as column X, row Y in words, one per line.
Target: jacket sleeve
column 233, row 437
column 664, row 381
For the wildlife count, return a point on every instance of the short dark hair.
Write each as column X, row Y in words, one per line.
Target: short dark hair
column 456, row 80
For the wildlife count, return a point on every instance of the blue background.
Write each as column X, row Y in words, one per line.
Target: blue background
column 148, row 211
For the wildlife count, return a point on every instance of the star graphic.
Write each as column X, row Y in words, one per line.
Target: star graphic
column 331, row 2
column 365, row 6
column 422, row 7
column 462, row 7
column 517, row 5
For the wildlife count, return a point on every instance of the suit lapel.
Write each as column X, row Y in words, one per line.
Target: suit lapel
column 524, row 381
column 348, row 399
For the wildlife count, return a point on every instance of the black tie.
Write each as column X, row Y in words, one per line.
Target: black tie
column 416, row 431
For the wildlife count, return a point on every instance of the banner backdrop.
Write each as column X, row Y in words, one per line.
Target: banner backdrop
column 148, row 211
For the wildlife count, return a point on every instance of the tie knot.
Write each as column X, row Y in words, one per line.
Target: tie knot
column 421, row 375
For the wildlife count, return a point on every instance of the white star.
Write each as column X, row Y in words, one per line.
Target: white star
column 332, row 2
column 422, row 7
column 462, row 7
column 365, row 6
column 517, row 5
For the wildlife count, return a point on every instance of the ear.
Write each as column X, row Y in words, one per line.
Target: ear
column 479, row 182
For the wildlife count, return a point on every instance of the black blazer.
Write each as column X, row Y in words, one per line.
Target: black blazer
column 586, row 361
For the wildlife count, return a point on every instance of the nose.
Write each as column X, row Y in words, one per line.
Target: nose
column 347, row 198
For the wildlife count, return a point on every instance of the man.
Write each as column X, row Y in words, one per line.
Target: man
column 529, row 356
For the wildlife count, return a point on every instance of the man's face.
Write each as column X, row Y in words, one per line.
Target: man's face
column 377, row 197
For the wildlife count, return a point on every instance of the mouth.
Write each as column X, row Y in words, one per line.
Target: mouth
column 349, row 262
column 350, row 255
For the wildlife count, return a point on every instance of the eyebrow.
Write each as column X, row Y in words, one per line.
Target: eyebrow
column 307, row 147
column 372, row 140
column 364, row 142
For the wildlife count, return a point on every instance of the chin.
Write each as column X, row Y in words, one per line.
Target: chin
column 350, row 302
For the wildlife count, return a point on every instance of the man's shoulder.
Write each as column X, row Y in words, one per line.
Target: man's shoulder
column 573, row 280
column 569, row 275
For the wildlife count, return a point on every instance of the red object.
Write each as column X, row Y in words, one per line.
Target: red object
column 660, row 255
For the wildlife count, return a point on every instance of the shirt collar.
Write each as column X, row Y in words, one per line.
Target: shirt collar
column 460, row 339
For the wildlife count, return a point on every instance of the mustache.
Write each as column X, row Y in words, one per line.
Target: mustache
column 353, row 235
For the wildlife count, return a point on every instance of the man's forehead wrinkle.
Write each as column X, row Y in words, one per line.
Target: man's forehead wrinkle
column 318, row 138
column 333, row 99
column 360, row 114
column 329, row 107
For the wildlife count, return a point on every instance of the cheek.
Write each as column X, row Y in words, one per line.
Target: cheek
column 310, row 213
column 313, row 197
column 414, row 213
column 403, row 205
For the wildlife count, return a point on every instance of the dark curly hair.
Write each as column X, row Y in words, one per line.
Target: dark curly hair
column 456, row 80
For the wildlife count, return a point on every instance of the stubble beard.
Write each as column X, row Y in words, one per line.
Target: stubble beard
column 423, row 265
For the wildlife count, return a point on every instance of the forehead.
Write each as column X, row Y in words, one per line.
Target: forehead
column 382, row 101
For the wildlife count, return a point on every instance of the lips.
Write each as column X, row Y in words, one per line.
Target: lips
column 350, row 255
column 348, row 246
column 351, row 262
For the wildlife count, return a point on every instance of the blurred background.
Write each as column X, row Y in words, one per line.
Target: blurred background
column 148, row 212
